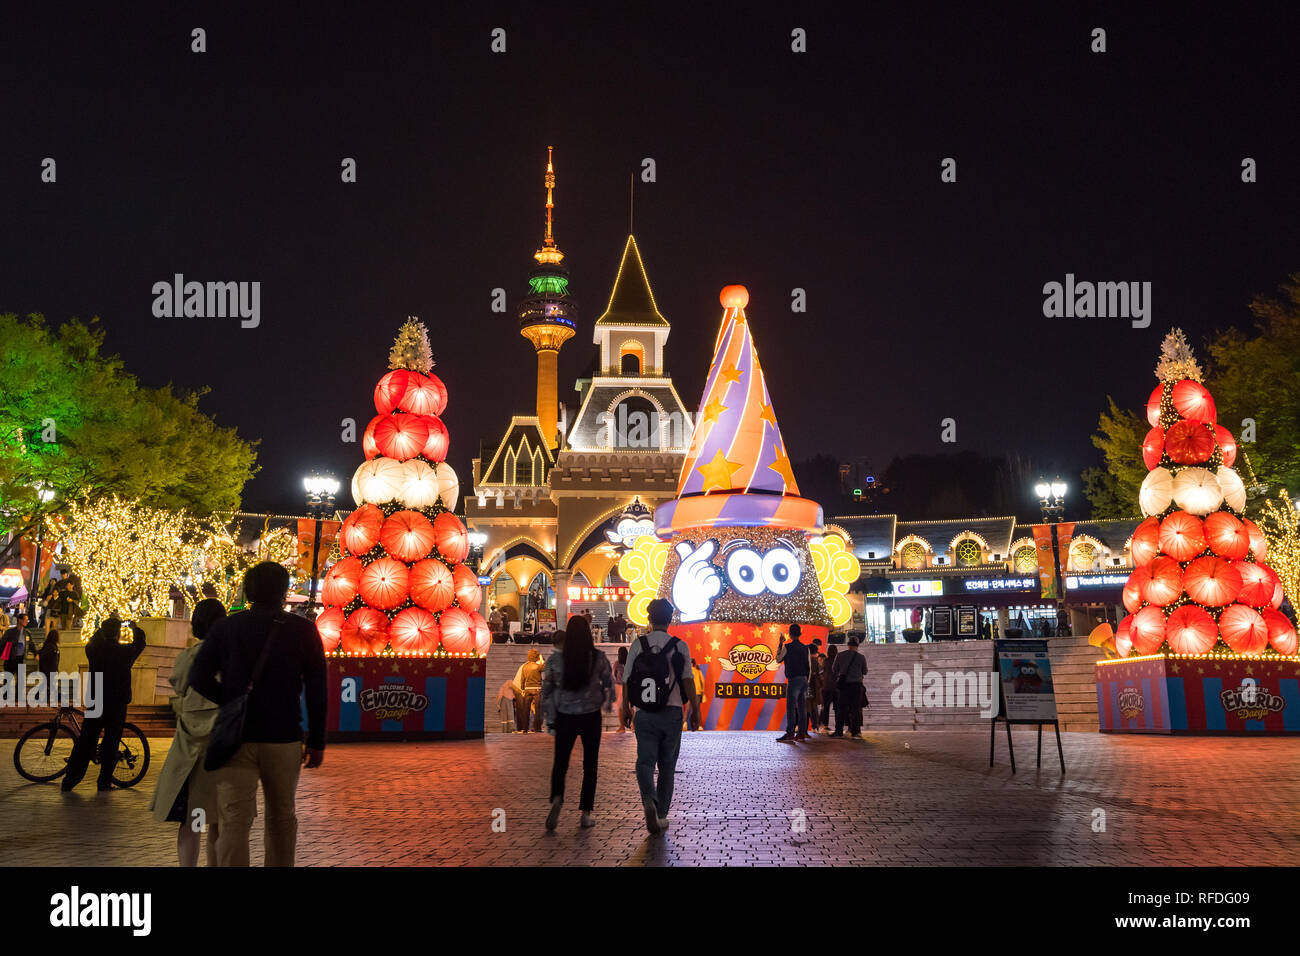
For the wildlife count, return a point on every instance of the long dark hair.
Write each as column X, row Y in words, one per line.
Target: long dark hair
column 579, row 653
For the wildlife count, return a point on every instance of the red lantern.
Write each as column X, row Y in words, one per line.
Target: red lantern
column 1188, row 443
column 435, row 449
column 1226, row 536
column 1258, row 582
column 1281, row 634
column 1192, row 400
column 1182, row 536
column 1277, row 595
column 401, row 436
column 1146, row 542
column 432, row 585
column 1153, row 406
column 1153, row 447
column 457, row 629
column 407, row 535
column 359, row 532
column 482, row 635
column 365, row 631
column 451, row 537
column 1191, row 630
column 1258, row 546
column 1133, row 592
column 1212, row 581
column 1162, row 582
column 1227, row 445
column 368, row 446
column 385, row 583
column 329, row 625
column 425, row 396
column 1243, row 629
column 342, row 582
column 414, row 631
column 1147, row 632
column 468, row 594
column 1123, row 638
column 392, row 389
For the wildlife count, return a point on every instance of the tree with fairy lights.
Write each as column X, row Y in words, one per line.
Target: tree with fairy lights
column 401, row 585
column 1199, row 580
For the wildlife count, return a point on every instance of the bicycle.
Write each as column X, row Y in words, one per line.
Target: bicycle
column 41, row 754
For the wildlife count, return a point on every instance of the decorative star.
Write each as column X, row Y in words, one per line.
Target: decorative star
column 758, row 633
column 396, row 667
column 473, row 668
column 713, row 410
column 726, row 632
column 708, row 659
column 714, row 645
column 768, row 415
column 699, row 646
column 782, row 467
column 717, row 473
column 731, row 374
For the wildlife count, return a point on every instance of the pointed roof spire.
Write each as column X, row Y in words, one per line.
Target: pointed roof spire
column 737, row 445
column 550, row 252
column 631, row 301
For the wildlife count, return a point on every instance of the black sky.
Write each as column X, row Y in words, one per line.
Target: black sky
column 775, row 170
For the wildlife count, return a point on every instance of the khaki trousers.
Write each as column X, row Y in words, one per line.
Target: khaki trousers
column 277, row 767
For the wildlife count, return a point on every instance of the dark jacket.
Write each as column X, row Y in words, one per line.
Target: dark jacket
column 795, row 657
column 295, row 662
column 850, row 667
column 106, row 655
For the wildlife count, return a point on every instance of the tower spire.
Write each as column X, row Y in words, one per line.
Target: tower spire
column 549, row 253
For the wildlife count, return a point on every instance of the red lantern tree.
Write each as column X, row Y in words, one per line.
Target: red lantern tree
column 401, row 586
column 1199, row 580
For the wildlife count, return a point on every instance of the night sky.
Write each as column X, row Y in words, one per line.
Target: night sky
column 776, row 170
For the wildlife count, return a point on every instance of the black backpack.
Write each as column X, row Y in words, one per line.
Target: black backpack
column 651, row 678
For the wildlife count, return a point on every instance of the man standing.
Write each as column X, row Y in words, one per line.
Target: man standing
column 794, row 654
column 13, row 646
column 272, row 751
column 850, row 669
column 110, row 661
column 530, row 678
column 658, row 682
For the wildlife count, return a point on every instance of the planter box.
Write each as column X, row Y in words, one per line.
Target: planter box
column 1199, row 695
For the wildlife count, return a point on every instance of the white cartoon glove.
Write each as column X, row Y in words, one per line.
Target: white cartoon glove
column 697, row 582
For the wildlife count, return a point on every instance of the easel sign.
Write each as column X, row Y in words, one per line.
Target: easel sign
column 1026, row 694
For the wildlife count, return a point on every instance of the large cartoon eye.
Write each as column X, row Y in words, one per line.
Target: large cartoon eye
column 745, row 571
column 780, row 571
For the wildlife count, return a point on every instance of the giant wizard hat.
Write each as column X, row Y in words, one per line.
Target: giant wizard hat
column 737, row 472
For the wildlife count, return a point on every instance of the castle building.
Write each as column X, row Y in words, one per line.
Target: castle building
column 552, row 493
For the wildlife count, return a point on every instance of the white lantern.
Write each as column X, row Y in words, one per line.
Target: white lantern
column 380, row 480
column 1157, row 491
column 1197, row 491
column 448, row 485
column 356, row 484
column 1234, row 492
column 419, row 484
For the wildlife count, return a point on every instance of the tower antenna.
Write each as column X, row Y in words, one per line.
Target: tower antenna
column 631, row 194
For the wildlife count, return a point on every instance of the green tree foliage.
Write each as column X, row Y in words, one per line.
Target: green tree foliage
column 1112, row 490
column 76, row 422
column 1257, row 376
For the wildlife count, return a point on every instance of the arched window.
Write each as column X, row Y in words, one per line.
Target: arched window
column 631, row 357
column 635, row 424
column 1083, row 556
column 1025, row 560
column 968, row 553
column 508, row 468
column 912, row 556
column 539, row 467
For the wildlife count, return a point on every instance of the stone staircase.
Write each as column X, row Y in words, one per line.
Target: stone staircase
column 505, row 659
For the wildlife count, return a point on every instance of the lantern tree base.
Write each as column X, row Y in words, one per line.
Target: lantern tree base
column 1199, row 694
column 405, row 698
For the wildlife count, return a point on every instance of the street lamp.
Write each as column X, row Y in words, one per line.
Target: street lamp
column 46, row 495
column 321, row 490
column 1051, row 499
column 477, row 542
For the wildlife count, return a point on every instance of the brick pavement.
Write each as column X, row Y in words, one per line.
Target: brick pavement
column 893, row 798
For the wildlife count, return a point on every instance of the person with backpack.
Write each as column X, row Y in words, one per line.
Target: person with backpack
column 578, row 684
column 794, row 654
column 850, row 669
column 658, row 683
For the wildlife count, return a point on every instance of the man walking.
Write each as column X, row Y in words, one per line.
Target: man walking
column 272, row 751
column 794, row 654
column 658, row 683
column 850, row 669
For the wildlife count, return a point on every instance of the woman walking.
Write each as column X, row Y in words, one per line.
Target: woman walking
column 576, row 686
column 186, row 794
column 619, row 668
column 830, row 694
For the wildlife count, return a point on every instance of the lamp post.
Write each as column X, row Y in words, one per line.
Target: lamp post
column 320, row 502
column 46, row 496
column 1051, row 499
column 477, row 542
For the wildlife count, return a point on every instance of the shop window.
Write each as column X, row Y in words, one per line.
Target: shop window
column 912, row 557
column 968, row 553
column 1025, row 560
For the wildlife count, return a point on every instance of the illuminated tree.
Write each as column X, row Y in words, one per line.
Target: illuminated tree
column 1280, row 522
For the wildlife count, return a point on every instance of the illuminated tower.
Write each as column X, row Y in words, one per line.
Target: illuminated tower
column 546, row 317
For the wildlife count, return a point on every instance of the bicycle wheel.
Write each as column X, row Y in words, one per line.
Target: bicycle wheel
column 41, row 754
column 132, row 757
